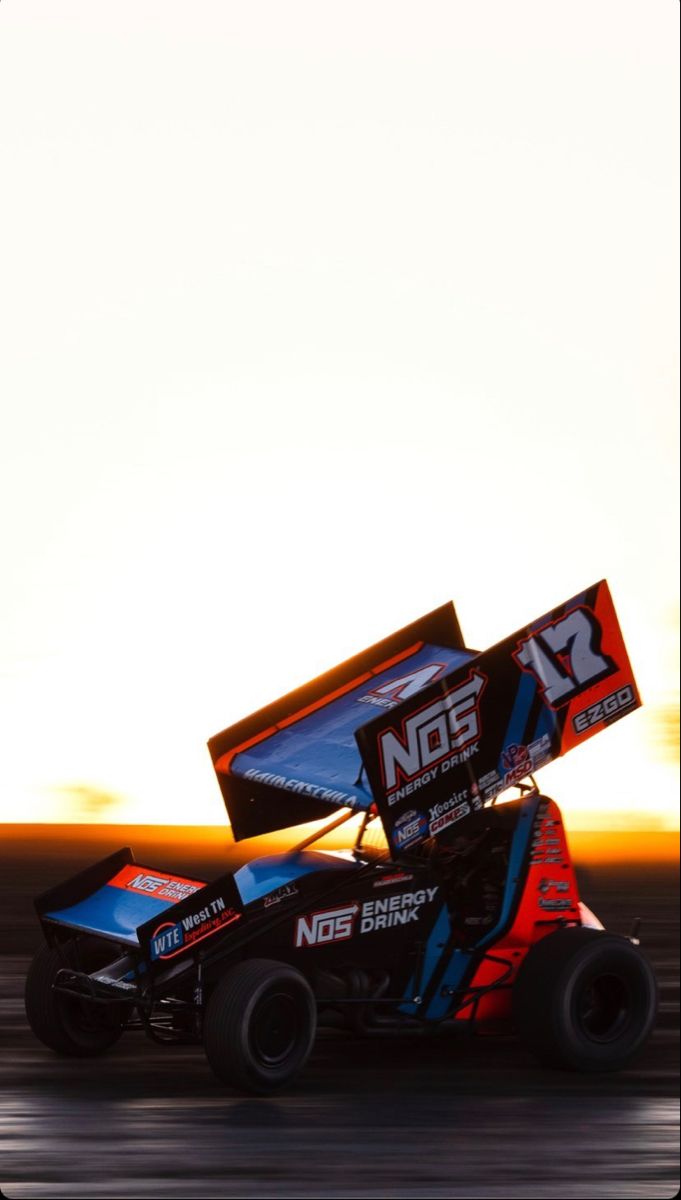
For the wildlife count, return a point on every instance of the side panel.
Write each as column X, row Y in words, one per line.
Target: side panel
column 375, row 922
column 548, row 898
column 462, row 741
column 191, row 923
column 79, row 886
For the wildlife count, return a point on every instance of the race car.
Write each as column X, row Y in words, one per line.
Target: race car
column 464, row 913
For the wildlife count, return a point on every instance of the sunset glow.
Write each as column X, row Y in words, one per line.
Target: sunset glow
column 277, row 381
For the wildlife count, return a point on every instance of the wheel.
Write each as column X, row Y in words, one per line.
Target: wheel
column 584, row 999
column 259, row 1025
column 67, row 1024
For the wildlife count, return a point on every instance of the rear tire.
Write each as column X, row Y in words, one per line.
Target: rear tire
column 584, row 1000
column 260, row 1025
column 67, row 1024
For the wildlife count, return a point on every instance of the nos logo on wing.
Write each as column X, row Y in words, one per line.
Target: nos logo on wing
column 429, row 735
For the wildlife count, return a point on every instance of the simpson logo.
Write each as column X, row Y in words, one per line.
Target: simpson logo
column 430, row 735
column 330, row 925
column 173, row 938
column 409, row 828
column 565, row 656
column 395, row 910
column 396, row 690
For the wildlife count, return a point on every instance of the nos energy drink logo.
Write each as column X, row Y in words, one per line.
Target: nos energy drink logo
column 174, row 937
column 410, row 828
column 439, row 735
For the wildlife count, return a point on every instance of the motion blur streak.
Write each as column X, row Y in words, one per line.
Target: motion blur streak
column 458, row 1145
column 438, row 1117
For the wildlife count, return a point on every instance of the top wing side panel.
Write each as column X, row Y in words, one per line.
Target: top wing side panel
column 313, row 753
column 297, row 760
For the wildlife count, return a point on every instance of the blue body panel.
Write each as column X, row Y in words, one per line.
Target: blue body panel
column 442, row 1003
column 264, row 875
column 519, row 847
column 319, row 749
column 433, row 953
column 111, row 911
column 117, row 912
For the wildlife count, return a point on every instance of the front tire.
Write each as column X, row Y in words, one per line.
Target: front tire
column 584, row 1000
column 67, row 1024
column 260, row 1025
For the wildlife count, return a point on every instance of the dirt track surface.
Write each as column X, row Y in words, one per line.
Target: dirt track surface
column 440, row 1117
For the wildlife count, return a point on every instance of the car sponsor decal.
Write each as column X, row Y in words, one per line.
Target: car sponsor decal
column 147, row 882
column 394, row 691
column 328, row 925
column 345, row 921
column 440, row 731
column 559, row 885
column 174, row 937
column 451, row 810
column 302, row 788
column 546, row 846
column 286, row 892
column 410, row 828
column 606, row 709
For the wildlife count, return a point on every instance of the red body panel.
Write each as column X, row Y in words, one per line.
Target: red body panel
column 550, row 899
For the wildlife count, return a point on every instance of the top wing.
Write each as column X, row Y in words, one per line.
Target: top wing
column 297, row 759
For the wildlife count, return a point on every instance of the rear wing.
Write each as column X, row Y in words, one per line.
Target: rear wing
column 484, row 727
column 153, row 913
column 426, row 728
column 112, row 898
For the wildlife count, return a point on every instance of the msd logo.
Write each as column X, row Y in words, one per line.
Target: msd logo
column 331, row 925
column 433, row 732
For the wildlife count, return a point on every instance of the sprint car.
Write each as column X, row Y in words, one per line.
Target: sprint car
column 465, row 911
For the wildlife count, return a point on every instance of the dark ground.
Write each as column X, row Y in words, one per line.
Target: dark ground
column 440, row 1117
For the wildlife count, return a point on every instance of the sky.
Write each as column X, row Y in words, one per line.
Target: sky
column 313, row 317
